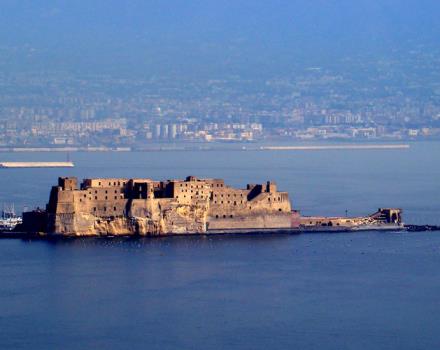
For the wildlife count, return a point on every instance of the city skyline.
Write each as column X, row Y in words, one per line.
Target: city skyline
column 128, row 74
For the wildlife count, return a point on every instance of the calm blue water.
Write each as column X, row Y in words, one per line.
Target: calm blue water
column 358, row 291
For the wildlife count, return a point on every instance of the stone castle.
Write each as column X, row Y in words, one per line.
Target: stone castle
column 147, row 207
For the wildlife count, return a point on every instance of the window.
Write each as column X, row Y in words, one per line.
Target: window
column 96, row 197
column 216, row 216
column 94, row 209
column 114, row 208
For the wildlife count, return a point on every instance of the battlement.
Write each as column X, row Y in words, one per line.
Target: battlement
column 68, row 183
column 102, row 183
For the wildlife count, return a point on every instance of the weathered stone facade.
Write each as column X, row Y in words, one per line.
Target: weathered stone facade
column 147, row 207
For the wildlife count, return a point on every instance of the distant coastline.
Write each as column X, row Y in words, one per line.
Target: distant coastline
column 217, row 146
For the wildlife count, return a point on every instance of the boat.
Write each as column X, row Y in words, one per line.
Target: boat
column 8, row 219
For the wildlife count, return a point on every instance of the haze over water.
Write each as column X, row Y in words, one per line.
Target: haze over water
column 318, row 291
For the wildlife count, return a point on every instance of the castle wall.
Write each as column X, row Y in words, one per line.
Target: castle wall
column 251, row 221
column 143, row 206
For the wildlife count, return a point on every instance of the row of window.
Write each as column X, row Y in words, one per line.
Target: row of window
column 199, row 186
column 229, row 195
column 118, row 183
column 106, row 198
column 106, row 192
column 105, row 209
column 224, row 216
column 228, row 202
column 186, row 191
column 191, row 197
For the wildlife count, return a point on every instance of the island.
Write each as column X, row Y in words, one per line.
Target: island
column 145, row 207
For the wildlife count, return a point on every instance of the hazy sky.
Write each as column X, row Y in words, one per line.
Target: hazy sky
column 212, row 31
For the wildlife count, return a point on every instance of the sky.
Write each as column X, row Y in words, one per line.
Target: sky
column 207, row 34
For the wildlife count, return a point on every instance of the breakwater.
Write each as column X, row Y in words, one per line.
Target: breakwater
column 36, row 165
column 334, row 147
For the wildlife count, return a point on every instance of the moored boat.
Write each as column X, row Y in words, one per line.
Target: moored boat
column 8, row 219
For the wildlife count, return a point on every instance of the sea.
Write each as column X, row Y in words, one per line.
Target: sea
column 366, row 290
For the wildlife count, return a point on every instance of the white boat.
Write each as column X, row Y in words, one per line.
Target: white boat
column 8, row 219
